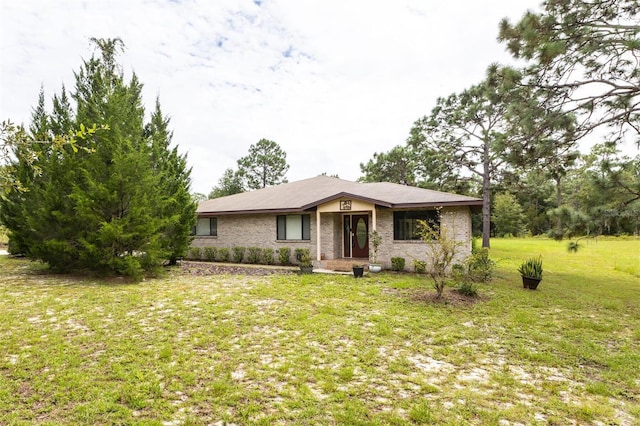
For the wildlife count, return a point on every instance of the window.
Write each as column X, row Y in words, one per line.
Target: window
column 294, row 227
column 406, row 226
column 207, row 226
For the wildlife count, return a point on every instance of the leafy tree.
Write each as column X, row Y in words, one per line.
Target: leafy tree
column 395, row 166
column 117, row 204
column 534, row 192
column 582, row 59
column 508, row 216
column 230, row 183
column 265, row 165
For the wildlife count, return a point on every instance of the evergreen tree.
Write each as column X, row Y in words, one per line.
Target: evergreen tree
column 603, row 193
column 265, row 165
column 395, row 166
column 119, row 205
column 61, row 119
column 178, row 206
column 469, row 132
column 582, row 58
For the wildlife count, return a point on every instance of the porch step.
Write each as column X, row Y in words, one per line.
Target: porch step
column 345, row 265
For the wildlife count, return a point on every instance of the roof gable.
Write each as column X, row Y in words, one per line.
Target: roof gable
column 309, row 193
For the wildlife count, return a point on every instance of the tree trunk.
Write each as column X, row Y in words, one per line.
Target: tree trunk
column 559, row 200
column 486, row 199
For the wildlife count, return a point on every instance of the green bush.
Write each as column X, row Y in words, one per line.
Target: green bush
column 468, row 288
column 210, row 253
column 305, row 259
column 267, row 256
column 479, row 266
column 238, row 254
column 397, row 263
column 284, row 255
column 302, row 254
column 254, row 255
column 420, row 266
column 223, row 254
column 195, row 253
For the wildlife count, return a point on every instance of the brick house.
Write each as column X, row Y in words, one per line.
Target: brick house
column 332, row 218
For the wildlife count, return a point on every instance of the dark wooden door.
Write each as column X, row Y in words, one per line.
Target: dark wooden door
column 360, row 235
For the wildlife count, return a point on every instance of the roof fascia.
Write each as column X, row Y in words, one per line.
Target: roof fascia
column 346, row 195
column 245, row 212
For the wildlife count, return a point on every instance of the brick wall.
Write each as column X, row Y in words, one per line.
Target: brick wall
column 455, row 219
column 260, row 231
column 254, row 231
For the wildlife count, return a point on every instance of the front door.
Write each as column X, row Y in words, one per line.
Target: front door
column 360, row 236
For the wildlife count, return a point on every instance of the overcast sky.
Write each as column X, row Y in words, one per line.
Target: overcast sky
column 330, row 81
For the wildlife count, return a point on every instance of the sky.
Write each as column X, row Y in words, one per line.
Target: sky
column 331, row 82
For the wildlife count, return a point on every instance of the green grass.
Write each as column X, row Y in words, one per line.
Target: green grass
column 325, row 349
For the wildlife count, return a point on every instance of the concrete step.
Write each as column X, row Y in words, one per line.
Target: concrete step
column 345, row 265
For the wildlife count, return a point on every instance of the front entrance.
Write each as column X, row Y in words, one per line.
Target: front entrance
column 356, row 236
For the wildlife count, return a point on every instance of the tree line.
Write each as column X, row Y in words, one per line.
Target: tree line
column 518, row 132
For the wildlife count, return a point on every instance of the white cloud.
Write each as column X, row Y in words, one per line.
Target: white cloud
column 332, row 82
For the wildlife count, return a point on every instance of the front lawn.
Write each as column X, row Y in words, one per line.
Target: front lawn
column 327, row 349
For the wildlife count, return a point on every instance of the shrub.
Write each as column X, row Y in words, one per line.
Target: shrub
column 195, row 253
column 397, row 263
column 267, row 256
column 302, row 254
column 238, row 254
column 441, row 250
column 479, row 266
column 420, row 266
column 284, row 255
column 254, row 255
column 305, row 259
column 459, row 272
column 210, row 253
column 468, row 288
column 223, row 254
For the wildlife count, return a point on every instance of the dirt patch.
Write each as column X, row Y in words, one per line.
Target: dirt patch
column 209, row 268
column 450, row 296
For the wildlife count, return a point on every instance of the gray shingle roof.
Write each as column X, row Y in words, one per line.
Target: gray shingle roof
column 308, row 193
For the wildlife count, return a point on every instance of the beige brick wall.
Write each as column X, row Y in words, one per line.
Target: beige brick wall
column 260, row 231
column 253, row 231
column 454, row 219
column 331, row 236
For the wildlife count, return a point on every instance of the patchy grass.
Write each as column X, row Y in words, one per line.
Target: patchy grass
column 325, row 349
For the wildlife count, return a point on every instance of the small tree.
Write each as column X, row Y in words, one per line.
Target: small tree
column 441, row 251
column 508, row 216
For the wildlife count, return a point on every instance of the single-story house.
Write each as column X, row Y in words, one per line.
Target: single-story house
column 333, row 218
